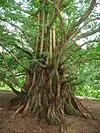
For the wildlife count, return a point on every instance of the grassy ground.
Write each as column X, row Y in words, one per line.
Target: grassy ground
column 5, row 89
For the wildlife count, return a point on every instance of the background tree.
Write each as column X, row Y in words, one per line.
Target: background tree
column 88, row 74
column 41, row 40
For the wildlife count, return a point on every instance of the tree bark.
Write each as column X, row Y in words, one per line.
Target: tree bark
column 49, row 97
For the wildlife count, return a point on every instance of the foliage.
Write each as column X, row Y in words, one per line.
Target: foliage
column 42, row 53
column 88, row 74
column 88, row 92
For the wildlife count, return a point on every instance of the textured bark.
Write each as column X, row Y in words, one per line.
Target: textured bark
column 48, row 96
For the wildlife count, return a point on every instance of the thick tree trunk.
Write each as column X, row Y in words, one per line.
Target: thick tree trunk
column 49, row 96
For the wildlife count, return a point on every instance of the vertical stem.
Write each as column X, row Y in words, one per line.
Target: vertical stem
column 42, row 36
column 33, row 83
column 58, row 87
column 51, row 94
column 54, row 38
column 39, row 99
column 47, row 58
column 37, row 39
column 51, row 45
column 54, row 45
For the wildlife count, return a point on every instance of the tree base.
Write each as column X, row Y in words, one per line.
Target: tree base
column 50, row 97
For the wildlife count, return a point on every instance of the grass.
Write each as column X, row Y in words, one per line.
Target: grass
column 87, row 92
column 5, row 89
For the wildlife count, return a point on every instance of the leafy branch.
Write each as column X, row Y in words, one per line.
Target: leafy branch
column 85, row 15
column 16, row 26
column 13, row 75
column 89, row 33
column 13, row 56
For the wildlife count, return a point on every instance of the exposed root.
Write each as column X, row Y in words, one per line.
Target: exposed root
column 49, row 98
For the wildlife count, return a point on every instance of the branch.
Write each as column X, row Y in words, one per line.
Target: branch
column 91, row 41
column 16, row 26
column 22, row 49
column 87, row 59
column 13, row 56
column 11, row 87
column 85, row 15
column 81, row 60
column 79, row 47
column 11, row 71
column 89, row 33
column 58, row 8
column 76, row 83
column 58, row 15
column 86, row 23
column 70, row 32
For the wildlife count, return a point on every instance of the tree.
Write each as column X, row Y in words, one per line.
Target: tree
column 88, row 74
column 40, row 40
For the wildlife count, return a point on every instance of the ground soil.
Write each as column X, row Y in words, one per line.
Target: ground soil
column 71, row 124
